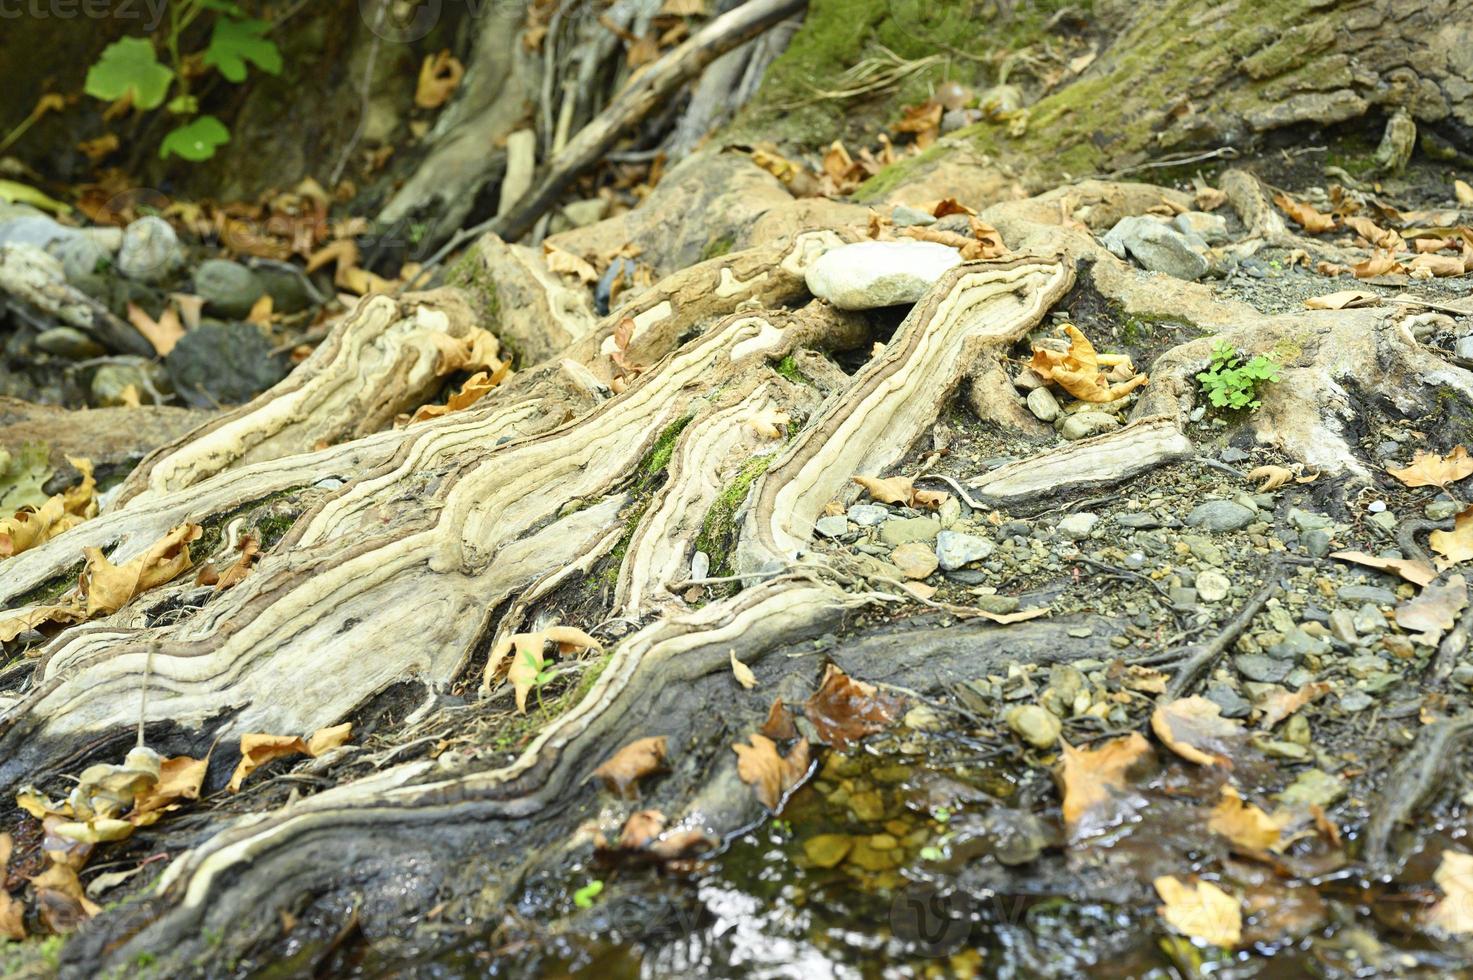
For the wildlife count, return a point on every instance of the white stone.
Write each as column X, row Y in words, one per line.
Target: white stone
column 868, row 275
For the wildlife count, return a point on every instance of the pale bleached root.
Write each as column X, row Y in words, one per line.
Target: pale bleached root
column 383, row 358
column 895, row 397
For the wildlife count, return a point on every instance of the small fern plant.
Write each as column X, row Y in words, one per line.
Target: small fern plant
column 1231, row 383
column 130, row 69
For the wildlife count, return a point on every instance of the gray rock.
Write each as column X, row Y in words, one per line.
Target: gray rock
column 39, row 230
column 868, row 275
column 901, row 530
column 1304, row 520
column 999, row 605
column 82, row 259
column 1368, row 619
column 1232, row 704
column 1043, row 404
column 110, row 384
column 1316, row 542
column 1037, row 726
column 150, row 251
column 1156, row 246
column 1211, row 228
column 1313, row 787
column 1366, row 593
column 69, row 342
column 1295, row 645
column 1082, row 425
column 1204, row 549
column 1140, row 521
column 956, row 550
column 868, row 515
column 224, row 364
column 229, row 289
column 832, row 525
column 1342, row 626
column 1441, row 510
column 1354, row 701
column 1464, row 348
column 1182, row 597
column 1385, row 520
column 1221, row 515
column 1232, row 454
column 1213, row 586
column 290, row 289
column 1077, row 527
column 580, row 214
column 1263, row 668
column 905, row 216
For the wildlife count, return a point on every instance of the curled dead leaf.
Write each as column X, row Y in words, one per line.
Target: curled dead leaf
column 1194, row 729
column 1415, row 572
column 1454, row 911
column 439, row 77
column 1080, row 370
column 1093, row 777
column 1279, row 703
column 1273, row 477
column 108, row 587
column 1201, row 910
column 622, row 771
column 901, row 490
column 641, row 829
column 567, row 264
column 742, row 673
column 1434, row 611
column 770, row 775
column 1343, row 299
column 1247, row 826
column 257, row 749
column 1456, row 545
column 845, row 710
column 1304, row 215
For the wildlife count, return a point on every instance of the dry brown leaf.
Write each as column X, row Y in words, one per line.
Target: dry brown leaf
column 59, row 896
column 1379, row 264
column 1435, row 611
column 257, row 749
column 626, row 767
column 1273, row 477
column 32, row 617
column 1375, row 235
column 162, row 333
column 683, row 8
column 779, row 725
column 1343, row 299
column 901, row 490
column 641, row 829
column 108, row 587
column 1432, row 470
column 261, row 311
column 343, row 252
column 1454, row 912
column 769, row 423
column 1201, row 910
column 1279, row 703
column 29, row 527
column 770, row 775
column 1194, row 729
column 1456, row 545
column 12, row 913
column 1245, row 824
column 1096, row 775
column 1079, row 370
column 180, row 778
column 1304, row 215
column 332, row 737
column 1463, row 193
column 566, row 263
column 845, row 710
column 439, row 77
column 1208, row 198
column 1441, row 266
column 527, row 660
column 949, row 205
column 476, row 387
column 742, row 673
column 1414, row 572
column 250, row 553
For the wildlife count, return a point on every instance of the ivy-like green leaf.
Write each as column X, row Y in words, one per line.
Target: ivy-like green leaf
column 129, row 66
column 197, row 140
column 235, row 42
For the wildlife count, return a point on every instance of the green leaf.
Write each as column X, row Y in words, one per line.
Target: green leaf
column 183, row 105
column 235, row 42
column 129, row 66
column 583, row 897
column 18, row 193
column 197, row 140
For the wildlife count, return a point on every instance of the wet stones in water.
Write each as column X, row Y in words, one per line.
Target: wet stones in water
column 150, row 251
column 955, row 549
column 224, row 364
column 870, row 275
column 1014, row 836
column 902, row 530
column 1313, row 787
column 827, row 850
column 1037, row 726
column 1221, row 515
column 229, row 289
